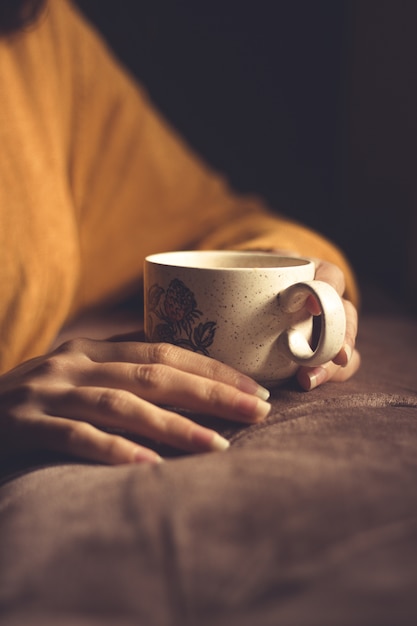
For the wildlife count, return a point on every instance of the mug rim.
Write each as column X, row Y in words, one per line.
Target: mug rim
column 183, row 259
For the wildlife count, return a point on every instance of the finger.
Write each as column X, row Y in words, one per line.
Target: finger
column 331, row 274
column 313, row 306
column 328, row 273
column 117, row 408
column 83, row 440
column 346, row 352
column 166, row 354
column 344, row 373
column 162, row 384
column 309, row 378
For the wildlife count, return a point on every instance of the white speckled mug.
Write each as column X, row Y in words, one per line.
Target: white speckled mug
column 246, row 309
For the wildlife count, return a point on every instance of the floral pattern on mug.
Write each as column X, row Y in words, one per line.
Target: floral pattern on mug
column 176, row 308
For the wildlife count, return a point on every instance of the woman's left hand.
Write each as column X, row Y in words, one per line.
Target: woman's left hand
column 347, row 361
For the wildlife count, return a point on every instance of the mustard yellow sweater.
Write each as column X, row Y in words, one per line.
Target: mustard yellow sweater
column 92, row 180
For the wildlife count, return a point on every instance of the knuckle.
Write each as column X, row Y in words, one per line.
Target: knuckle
column 110, row 447
column 214, row 394
column 214, row 369
column 112, row 401
column 151, row 375
column 51, row 367
column 76, row 434
column 73, row 346
column 162, row 353
column 77, row 438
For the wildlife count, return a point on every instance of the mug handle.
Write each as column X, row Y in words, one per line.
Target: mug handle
column 333, row 323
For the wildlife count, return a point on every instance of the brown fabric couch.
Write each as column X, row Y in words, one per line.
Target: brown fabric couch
column 309, row 519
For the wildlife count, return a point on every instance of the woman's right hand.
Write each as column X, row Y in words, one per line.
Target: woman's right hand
column 61, row 401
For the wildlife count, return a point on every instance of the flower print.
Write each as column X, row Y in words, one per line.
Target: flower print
column 179, row 302
column 178, row 313
column 154, row 296
column 204, row 334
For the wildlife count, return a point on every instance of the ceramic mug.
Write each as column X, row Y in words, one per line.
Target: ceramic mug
column 246, row 309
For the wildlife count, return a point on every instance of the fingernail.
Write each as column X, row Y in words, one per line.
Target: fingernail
column 207, row 439
column 252, row 407
column 248, row 385
column 316, row 377
column 146, row 456
column 262, row 393
column 219, row 443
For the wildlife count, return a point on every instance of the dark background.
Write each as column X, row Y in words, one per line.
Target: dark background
column 308, row 103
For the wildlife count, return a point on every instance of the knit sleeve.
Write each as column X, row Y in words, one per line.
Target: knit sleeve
column 139, row 189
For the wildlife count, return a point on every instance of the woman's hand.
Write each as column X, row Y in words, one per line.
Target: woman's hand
column 61, row 401
column 347, row 362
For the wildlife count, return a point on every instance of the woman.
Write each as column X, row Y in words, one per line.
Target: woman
column 91, row 181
